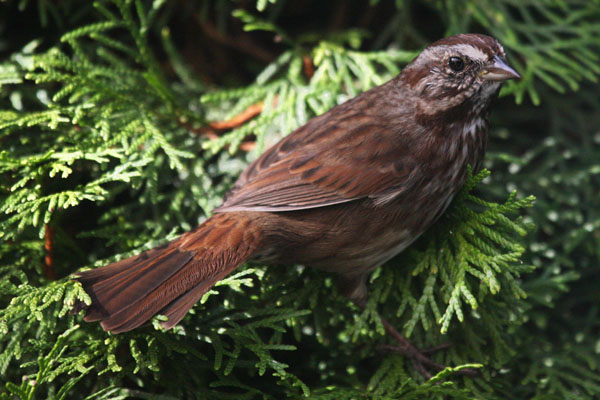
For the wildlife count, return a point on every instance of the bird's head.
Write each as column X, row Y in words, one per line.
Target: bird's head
column 456, row 70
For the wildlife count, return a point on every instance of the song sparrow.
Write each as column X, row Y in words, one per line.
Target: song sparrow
column 344, row 193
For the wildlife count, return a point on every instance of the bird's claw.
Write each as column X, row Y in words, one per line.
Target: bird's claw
column 420, row 361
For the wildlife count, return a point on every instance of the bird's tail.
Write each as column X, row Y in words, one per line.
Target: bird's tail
column 171, row 278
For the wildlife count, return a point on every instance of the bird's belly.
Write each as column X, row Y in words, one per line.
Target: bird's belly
column 351, row 238
column 360, row 254
column 339, row 239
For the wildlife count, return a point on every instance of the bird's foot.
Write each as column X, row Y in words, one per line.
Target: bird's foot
column 420, row 361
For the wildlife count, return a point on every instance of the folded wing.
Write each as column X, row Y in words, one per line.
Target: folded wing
column 338, row 157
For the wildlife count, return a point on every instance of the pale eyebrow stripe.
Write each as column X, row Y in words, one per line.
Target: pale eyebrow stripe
column 470, row 51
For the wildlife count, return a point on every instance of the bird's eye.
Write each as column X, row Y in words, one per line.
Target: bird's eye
column 456, row 63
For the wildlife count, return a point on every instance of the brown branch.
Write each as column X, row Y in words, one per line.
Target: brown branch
column 241, row 42
column 249, row 113
column 309, row 67
column 213, row 129
column 247, row 146
column 48, row 267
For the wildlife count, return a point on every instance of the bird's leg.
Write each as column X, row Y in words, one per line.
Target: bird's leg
column 354, row 287
column 406, row 348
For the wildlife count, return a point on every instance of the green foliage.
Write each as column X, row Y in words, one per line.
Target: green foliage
column 390, row 383
column 479, row 245
column 562, row 169
column 103, row 156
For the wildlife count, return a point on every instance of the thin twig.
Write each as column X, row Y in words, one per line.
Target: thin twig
column 48, row 267
column 309, row 67
column 215, row 128
column 249, row 113
column 241, row 42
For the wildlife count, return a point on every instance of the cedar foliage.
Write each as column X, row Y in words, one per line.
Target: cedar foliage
column 107, row 150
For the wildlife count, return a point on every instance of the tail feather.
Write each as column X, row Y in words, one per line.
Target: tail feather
column 169, row 279
column 177, row 309
column 135, row 283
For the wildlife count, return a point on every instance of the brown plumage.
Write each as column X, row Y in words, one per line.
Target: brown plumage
column 170, row 278
column 344, row 193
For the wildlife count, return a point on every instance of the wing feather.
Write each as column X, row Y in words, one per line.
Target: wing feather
column 338, row 157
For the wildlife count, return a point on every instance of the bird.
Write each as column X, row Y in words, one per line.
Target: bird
column 344, row 193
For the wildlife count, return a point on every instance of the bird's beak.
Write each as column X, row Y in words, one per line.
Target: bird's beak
column 499, row 70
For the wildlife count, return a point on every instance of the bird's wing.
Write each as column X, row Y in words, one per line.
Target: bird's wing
column 349, row 153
